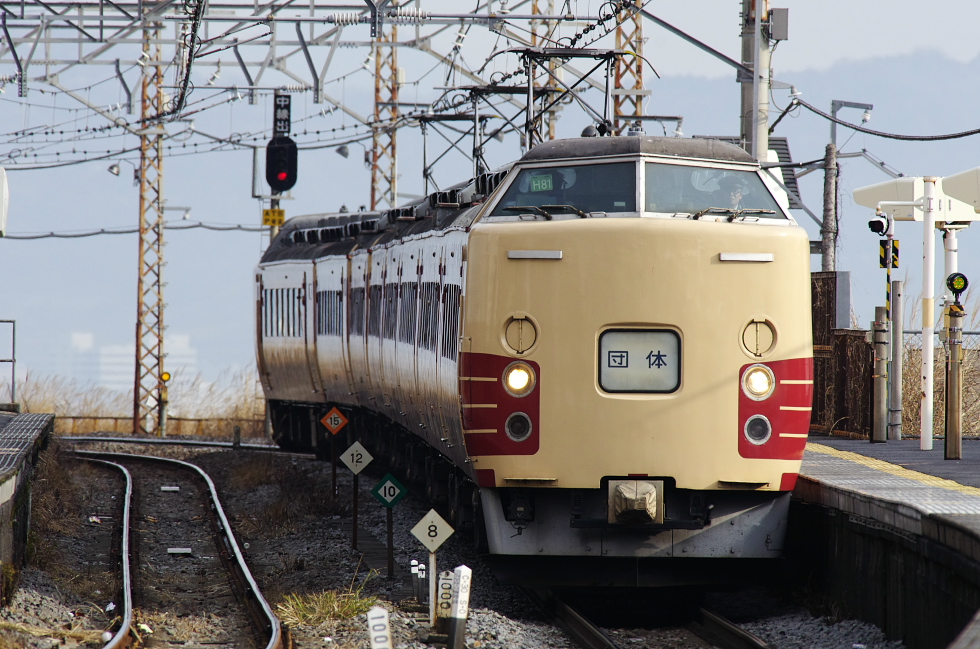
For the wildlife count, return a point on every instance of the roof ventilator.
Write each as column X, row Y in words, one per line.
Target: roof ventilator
column 486, row 183
column 409, row 213
column 448, row 198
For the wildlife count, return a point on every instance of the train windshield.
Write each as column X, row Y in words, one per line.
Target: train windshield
column 700, row 190
column 570, row 191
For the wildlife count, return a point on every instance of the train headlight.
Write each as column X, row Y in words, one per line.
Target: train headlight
column 758, row 382
column 758, row 430
column 519, row 379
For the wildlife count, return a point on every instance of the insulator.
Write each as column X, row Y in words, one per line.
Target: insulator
column 408, row 15
column 345, row 18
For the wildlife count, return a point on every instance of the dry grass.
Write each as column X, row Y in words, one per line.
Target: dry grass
column 72, row 633
column 300, row 494
column 196, row 407
column 61, row 486
column 911, row 373
column 317, row 608
column 189, row 629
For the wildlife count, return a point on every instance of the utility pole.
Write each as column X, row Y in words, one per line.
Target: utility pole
column 384, row 163
column 754, row 131
column 149, row 310
column 628, row 92
column 828, row 231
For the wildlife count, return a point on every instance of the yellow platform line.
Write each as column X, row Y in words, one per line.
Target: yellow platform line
column 894, row 469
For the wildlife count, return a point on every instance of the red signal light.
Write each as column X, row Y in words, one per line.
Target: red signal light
column 282, row 175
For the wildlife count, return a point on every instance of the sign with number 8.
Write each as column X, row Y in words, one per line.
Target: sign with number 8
column 432, row 531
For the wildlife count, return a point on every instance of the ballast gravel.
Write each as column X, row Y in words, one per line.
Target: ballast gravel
column 297, row 543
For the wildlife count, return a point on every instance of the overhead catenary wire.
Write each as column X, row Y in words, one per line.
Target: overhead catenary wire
column 218, row 227
column 891, row 136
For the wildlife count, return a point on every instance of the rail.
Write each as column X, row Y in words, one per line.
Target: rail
column 583, row 632
column 723, row 633
column 121, row 637
column 253, row 593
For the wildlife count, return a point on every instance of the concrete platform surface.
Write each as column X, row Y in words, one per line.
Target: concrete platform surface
column 930, row 501
column 906, row 453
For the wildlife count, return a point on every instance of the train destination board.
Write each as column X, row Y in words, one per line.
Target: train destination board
column 639, row 360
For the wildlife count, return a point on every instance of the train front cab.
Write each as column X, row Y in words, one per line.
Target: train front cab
column 638, row 384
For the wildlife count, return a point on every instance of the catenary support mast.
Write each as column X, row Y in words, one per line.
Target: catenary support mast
column 628, row 92
column 384, row 168
column 149, row 316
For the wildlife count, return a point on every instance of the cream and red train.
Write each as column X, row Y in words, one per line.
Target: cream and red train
column 602, row 354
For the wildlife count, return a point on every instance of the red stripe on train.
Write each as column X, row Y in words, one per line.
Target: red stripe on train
column 486, row 406
column 787, row 409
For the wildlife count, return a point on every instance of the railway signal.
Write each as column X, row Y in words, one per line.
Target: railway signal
column 280, row 164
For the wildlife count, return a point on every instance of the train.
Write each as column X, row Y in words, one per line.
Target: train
column 598, row 359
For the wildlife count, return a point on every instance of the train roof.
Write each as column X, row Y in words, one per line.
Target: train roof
column 317, row 235
column 588, row 147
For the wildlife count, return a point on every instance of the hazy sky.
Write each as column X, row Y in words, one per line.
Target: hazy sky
column 70, row 297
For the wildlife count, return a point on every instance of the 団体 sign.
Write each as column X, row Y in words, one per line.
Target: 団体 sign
column 432, row 531
column 389, row 491
column 639, row 360
column 334, row 421
column 356, row 458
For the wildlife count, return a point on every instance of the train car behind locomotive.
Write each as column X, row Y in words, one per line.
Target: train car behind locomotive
column 605, row 361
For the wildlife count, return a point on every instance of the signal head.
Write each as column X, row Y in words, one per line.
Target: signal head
column 957, row 284
column 281, row 164
column 878, row 226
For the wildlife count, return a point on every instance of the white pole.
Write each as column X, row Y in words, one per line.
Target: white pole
column 433, row 582
column 928, row 309
column 898, row 350
column 951, row 263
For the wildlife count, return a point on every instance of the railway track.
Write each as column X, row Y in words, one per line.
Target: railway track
column 709, row 626
column 179, row 554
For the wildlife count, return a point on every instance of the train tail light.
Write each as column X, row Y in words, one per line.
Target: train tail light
column 758, row 430
column 518, row 427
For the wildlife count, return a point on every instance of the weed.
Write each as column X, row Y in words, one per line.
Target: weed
column 316, row 608
column 197, row 407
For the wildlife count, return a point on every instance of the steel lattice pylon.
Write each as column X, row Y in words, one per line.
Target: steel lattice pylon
column 149, row 309
column 384, row 168
column 541, row 36
column 628, row 94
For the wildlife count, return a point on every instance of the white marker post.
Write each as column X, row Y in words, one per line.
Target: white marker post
column 432, row 531
column 379, row 628
column 444, row 601
column 462, row 579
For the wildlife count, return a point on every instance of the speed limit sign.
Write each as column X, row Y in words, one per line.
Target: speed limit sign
column 432, row 531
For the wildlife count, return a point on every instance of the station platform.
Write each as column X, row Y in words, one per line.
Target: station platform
column 906, row 525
